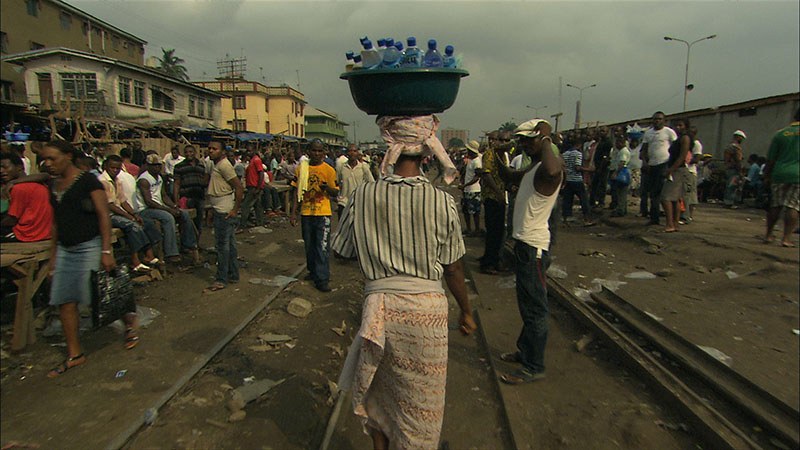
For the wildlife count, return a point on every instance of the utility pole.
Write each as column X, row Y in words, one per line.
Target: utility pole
column 232, row 69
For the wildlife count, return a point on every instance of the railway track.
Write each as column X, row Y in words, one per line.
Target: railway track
column 722, row 407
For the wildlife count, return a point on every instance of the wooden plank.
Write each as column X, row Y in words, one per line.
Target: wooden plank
column 23, row 316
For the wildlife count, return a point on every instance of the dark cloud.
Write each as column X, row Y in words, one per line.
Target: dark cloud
column 515, row 51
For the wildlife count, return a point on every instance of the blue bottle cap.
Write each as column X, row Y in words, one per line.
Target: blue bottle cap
column 363, row 39
column 432, row 44
column 367, row 44
column 389, row 42
column 448, row 50
column 349, row 55
column 357, row 58
column 381, row 42
column 398, row 45
column 412, row 41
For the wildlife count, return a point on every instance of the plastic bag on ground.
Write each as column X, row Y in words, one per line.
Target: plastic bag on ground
column 557, row 271
column 718, row 355
column 642, row 275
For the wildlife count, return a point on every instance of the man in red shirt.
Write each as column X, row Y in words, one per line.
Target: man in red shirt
column 254, row 182
column 30, row 216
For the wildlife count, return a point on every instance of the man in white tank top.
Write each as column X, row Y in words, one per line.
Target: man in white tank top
column 538, row 193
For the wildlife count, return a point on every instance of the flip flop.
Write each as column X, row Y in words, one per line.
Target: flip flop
column 142, row 268
column 214, row 288
column 131, row 339
column 153, row 262
column 787, row 244
column 78, row 360
column 521, row 376
column 511, row 357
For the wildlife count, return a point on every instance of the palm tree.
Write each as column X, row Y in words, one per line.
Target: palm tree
column 508, row 126
column 172, row 65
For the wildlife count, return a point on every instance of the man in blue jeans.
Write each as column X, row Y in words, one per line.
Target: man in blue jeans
column 152, row 202
column 225, row 197
column 537, row 195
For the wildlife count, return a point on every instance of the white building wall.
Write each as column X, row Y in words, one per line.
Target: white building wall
column 107, row 77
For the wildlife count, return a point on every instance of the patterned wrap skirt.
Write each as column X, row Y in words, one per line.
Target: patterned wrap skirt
column 397, row 367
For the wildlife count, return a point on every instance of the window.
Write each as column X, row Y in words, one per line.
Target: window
column 3, row 42
column 161, row 98
column 192, row 101
column 138, row 93
column 66, row 20
column 79, row 85
column 127, row 45
column 5, row 91
column 210, row 110
column 36, row 46
column 115, row 42
column 85, row 28
column 302, row 130
column 266, row 105
column 239, row 102
column 33, row 7
column 239, row 125
column 266, row 127
column 201, row 108
column 124, row 90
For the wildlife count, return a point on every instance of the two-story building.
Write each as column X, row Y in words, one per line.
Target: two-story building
column 113, row 88
column 255, row 107
column 27, row 25
column 325, row 126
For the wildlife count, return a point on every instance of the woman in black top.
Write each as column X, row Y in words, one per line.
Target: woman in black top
column 81, row 243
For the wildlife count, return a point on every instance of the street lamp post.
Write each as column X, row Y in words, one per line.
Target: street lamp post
column 688, row 51
column 578, row 104
column 536, row 109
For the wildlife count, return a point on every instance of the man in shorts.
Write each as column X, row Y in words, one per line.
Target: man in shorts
column 782, row 175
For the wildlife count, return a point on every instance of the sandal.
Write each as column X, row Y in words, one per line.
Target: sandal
column 68, row 363
column 521, row 376
column 131, row 338
column 511, row 357
column 142, row 268
column 214, row 288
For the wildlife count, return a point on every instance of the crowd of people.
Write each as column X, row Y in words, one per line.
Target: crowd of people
column 404, row 232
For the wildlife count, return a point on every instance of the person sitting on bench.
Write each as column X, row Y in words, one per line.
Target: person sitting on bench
column 29, row 217
column 152, row 202
column 139, row 234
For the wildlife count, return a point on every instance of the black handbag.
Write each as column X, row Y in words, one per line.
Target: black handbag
column 112, row 295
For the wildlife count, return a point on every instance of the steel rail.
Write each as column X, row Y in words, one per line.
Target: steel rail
column 768, row 411
column 708, row 423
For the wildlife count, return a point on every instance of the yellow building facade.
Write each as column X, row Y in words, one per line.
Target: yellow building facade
column 258, row 108
column 27, row 25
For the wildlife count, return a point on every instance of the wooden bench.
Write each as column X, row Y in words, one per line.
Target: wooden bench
column 28, row 263
column 286, row 190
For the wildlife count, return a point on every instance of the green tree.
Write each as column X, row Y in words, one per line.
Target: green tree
column 508, row 126
column 455, row 143
column 172, row 65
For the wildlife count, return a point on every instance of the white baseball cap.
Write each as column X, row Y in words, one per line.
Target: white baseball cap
column 740, row 133
column 528, row 129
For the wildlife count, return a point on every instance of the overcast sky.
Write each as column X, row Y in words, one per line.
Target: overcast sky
column 515, row 51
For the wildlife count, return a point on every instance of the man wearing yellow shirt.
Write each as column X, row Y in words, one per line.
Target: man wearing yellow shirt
column 315, row 212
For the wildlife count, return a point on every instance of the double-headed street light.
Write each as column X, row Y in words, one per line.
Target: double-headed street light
column 578, row 104
column 536, row 109
column 689, row 45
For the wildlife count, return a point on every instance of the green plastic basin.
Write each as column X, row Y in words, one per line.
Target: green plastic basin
column 404, row 92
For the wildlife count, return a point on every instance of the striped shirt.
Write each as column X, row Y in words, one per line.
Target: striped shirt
column 573, row 159
column 400, row 226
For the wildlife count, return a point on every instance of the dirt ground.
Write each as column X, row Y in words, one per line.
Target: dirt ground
column 716, row 284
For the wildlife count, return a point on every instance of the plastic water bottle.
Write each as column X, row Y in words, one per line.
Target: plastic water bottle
column 369, row 56
column 432, row 57
column 449, row 60
column 391, row 56
column 399, row 46
column 357, row 62
column 381, row 47
column 349, row 64
column 412, row 56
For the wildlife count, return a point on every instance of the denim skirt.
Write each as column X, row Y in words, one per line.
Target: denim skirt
column 73, row 272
